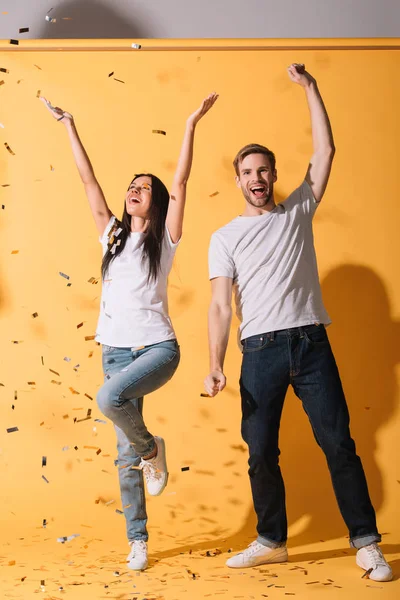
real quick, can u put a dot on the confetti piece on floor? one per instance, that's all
(64, 539)
(9, 149)
(367, 573)
(14, 42)
(64, 275)
(24, 30)
(214, 194)
(136, 46)
(12, 429)
(160, 131)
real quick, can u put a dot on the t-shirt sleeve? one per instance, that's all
(220, 262)
(302, 198)
(168, 240)
(103, 239)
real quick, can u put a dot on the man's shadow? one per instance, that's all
(364, 339)
(86, 19)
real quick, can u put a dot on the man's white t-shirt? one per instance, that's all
(134, 313)
(271, 260)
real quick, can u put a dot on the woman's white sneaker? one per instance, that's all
(155, 469)
(257, 554)
(371, 557)
(137, 557)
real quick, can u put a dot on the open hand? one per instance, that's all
(298, 74)
(203, 109)
(58, 113)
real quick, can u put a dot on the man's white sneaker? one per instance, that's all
(137, 557)
(155, 469)
(257, 554)
(371, 557)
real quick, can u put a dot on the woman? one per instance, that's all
(140, 350)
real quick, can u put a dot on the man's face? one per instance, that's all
(256, 179)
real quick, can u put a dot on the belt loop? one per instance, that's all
(271, 336)
(301, 332)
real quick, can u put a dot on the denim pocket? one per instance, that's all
(316, 335)
(107, 349)
(255, 343)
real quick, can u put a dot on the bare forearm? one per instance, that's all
(186, 155)
(320, 125)
(81, 158)
(219, 321)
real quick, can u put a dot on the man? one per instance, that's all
(267, 256)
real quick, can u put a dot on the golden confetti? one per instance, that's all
(9, 149)
(38, 94)
(2, 82)
(214, 194)
(88, 338)
(15, 252)
(56, 382)
(160, 131)
(37, 66)
(71, 389)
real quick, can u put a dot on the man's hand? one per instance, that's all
(214, 383)
(298, 74)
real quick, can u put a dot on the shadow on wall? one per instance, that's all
(89, 19)
(365, 343)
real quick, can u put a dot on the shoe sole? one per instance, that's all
(279, 558)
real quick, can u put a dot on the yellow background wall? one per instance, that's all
(46, 218)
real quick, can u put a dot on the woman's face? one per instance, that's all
(138, 197)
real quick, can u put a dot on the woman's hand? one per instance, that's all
(203, 109)
(58, 113)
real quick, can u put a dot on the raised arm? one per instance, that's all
(219, 322)
(97, 202)
(324, 149)
(176, 207)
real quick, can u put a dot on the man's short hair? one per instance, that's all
(253, 149)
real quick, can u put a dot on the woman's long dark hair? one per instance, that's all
(154, 235)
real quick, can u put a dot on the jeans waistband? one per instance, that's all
(291, 331)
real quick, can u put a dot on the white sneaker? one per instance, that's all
(155, 469)
(137, 557)
(371, 557)
(257, 554)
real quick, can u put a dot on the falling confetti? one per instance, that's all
(3, 70)
(64, 275)
(185, 468)
(136, 46)
(14, 42)
(12, 429)
(160, 131)
(9, 149)
(119, 80)
(214, 194)
(35, 315)
(24, 30)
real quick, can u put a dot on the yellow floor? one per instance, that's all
(90, 567)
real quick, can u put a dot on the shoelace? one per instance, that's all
(252, 548)
(375, 555)
(150, 470)
(138, 547)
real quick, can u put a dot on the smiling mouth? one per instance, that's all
(134, 201)
(259, 191)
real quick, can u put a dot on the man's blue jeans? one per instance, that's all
(301, 357)
(129, 375)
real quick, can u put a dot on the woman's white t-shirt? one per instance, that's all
(133, 312)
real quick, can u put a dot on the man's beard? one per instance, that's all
(259, 202)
